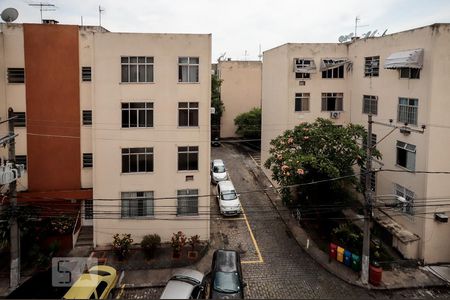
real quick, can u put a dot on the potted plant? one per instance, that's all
(149, 244)
(121, 245)
(193, 241)
(178, 242)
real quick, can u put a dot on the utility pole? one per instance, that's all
(14, 231)
(368, 205)
(100, 10)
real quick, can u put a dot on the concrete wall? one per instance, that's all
(240, 91)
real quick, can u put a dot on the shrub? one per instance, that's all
(122, 245)
(194, 240)
(149, 244)
(178, 241)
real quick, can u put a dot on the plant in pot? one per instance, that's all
(150, 243)
(178, 242)
(193, 241)
(121, 245)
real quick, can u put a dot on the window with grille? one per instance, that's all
(87, 117)
(187, 201)
(87, 160)
(16, 75)
(407, 110)
(188, 114)
(21, 160)
(337, 72)
(188, 68)
(406, 155)
(86, 74)
(300, 64)
(302, 102)
(20, 120)
(372, 66)
(137, 68)
(137, 114)
(137, 204)
(332, 101)
(137, 160)
(409, 73)
(188, 158)
(370, 104)
(407, 207)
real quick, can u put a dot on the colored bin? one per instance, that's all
(356, 262)
(375, 274)
(340, 254)
(347, 258)
(332, 251)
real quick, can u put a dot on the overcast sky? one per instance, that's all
(240, 26)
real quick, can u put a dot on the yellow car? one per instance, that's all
(97, 283)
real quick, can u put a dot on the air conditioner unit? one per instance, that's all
(335, 114)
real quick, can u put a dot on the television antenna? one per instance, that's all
(260, 56)
(9, 15)
(100, 11)
(357, 19)
(44, 7)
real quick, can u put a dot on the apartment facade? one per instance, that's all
(118, 121)
(240, 91)
(400, 79)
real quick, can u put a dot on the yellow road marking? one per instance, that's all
(121, 291)
(254, 242)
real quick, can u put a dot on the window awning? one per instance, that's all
(304, 65)
(405, 59)
(331, 63)
(404, 235)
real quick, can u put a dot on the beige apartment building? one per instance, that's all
(240, 91)
(399, 78)
(119, 123)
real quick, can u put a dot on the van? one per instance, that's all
(228, 199)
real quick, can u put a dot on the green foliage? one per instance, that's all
(178, 241)
(348, 236)
(121, 245)
(149, 243)
(60, 225)
(216, 102)
(26, 217)
(317, 151)
(249, 124)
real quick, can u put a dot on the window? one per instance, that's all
(16, 75)
(137, 204)
(188, 69)
(187, 202)
(336, 72)
(137, 68)
(20, 120)
(406, 155)
(87, 117)
(21, 160)
(137, 114)
(86, 74)
(299, 75)
(302, 67)
(332, 101)
(87, 160)
(372, 66)
(410, 73)
(407, 110)
(137, 160)
(370, 104)
(101, 288)
(401, 191)
(187, 114)
(302, 102)
(188, 158)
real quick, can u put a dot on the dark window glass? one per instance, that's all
(20, 120)
(21, 160)
(137, 160)
(87, 160)
(16, 75)
(187, 114)
(87, 117)
(137, 114)
(101, 288)
(137, 69)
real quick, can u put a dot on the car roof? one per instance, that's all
(179, 288)
(226, 185)
(85, 285)
(218, 162)
(226, 260)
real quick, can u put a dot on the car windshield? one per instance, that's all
(226, 282)
(187, 279)
(229, 195)
(219, 169)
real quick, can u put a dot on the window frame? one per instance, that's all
(147, 63)
(21, 120)
(409, 150)
(87, 117)
(190, 193)
(338, 96)
(370, 99)
(136, 152)
(304, 99)
(369, 69)
(410, 73)
(330, 73)
(22, 160)
(88, 160)
(188, 151)
(145, 200)
(188, 65)
(410, 109)
(408, 195)
(301, 62)
(188, 110)
(86, 74)
(15, 75)
(148, 108)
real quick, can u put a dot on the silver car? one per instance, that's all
(185, 284)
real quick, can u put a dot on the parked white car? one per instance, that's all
(218, 171)
(228, 199)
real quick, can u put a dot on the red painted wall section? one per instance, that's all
(53, 107)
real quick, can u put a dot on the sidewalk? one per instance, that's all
(400, 278)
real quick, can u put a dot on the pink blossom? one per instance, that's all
(300, 172)
(290, 140)
(306, 138)
(284, 168)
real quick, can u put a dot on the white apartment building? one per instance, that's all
(119, 121)
(399, 78)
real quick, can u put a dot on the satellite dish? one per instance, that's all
(342, 39)
(10, 15)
